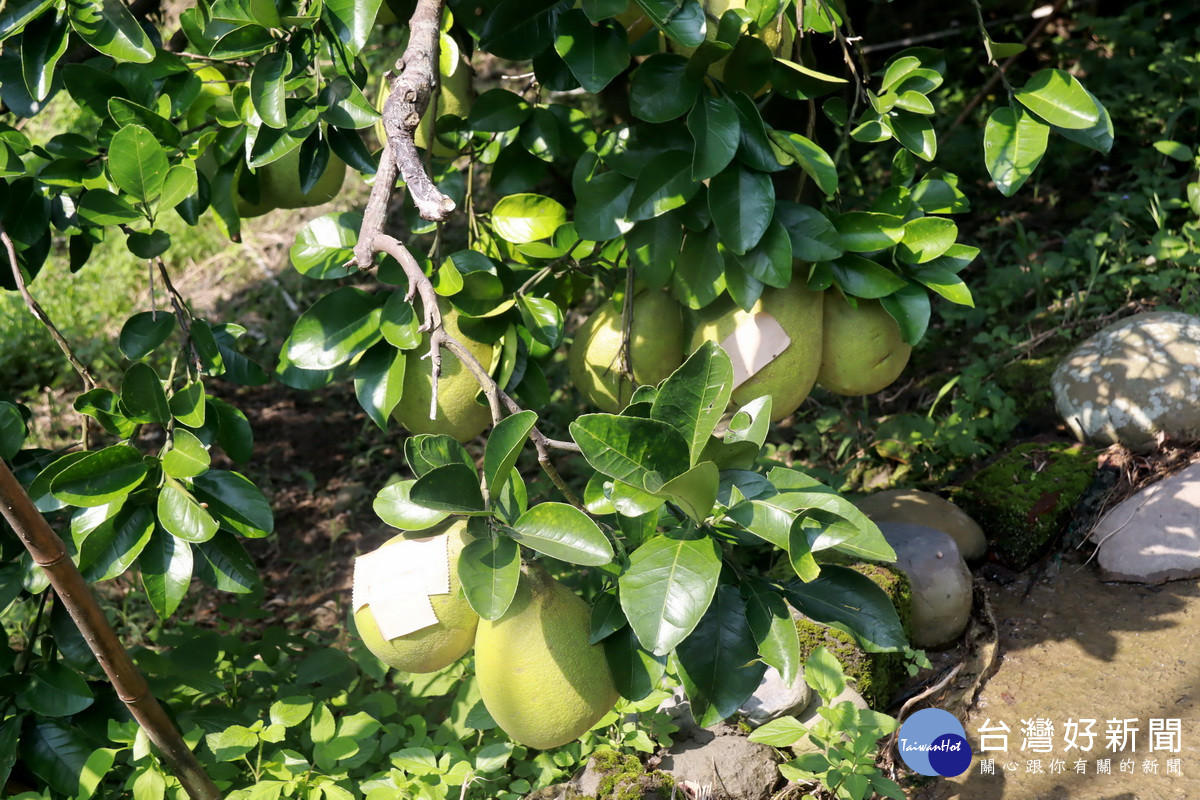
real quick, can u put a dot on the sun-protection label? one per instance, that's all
(397, 580)
(755, 342)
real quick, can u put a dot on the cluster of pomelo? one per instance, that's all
(540, 678)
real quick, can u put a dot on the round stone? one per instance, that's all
(923, 508)
(941, 582)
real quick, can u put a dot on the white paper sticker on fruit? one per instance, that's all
(396, 581)
(756, 342)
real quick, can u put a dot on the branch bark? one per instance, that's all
(49, 553)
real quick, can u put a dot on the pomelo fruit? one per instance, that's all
(778, 35)
(458, 414)
(540, 679)
(790, 376)
(437, 646)
(279, 185)
(862, 350)
(655, 349)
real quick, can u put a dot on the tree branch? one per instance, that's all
(73, 592)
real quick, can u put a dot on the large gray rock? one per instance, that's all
(1132, 381)
(922, 508)
(941, 582)
(775, 698)
(735, 767)
(1153, 536)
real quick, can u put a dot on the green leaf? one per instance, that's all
(345, 106)
(518, 29)
(394, 506)
(602, 205)
(664, 184)
(694, 397)
(504, 446)
(915, 133)
(324, 248)
(641, 452)
(1013, 145)
(1060, 99)
(851, 602)
(866, 231)
(823, 673)
(863, 277)
(489, 569)
(742, 203)
(814, 237)
(695, 491)
(607, 617)
(948, 285)
(379, 382)
(909, 306)
(235, 500)
(773, 628)
(425, 452)
(399, 324)
(497, 111)
(353, 21)
(12, 430)
(668, 587)
(267, 91)
(57, 752)
(108, 26)
(187, 404)
(112, 547)
(699, 276)
(564, 532)
(101, 477)
(56, 690)
(226, 564)
(636, 672)
(781, 732)
(187, 457)
(17, 14)
(137, 163)
(453, 488)
(1099, 136)
(714, 126)
(10, 735)
(926, 238)
(595, 55)
(338, 327)
(233, 430)
(102, 207)
(521, 218)
(800, 550)
(718, 661)
(936, 196)
(183, 517)
(142, 395)
(166, 567)
(148, 244)
(811, 158)
(145, 331)
(769, 261)
(683, 22)
(662, 88)
(291, 711)
(543, 318)
(42, 45)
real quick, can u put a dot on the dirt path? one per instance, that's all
(1076, 648)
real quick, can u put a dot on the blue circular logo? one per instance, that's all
(932, 742)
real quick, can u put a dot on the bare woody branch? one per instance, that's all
(49, 553)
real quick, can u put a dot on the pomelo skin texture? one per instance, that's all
(790, 377)
(863, 350)
(540, 679)
(458, 414)
(437, 646)
(279, 186)
(655, 349)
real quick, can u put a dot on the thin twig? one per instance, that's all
(182, 314)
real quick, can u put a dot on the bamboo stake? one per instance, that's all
(50, 554)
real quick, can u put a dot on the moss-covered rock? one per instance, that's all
(1024, 499)
(876, 676)
(624, 777)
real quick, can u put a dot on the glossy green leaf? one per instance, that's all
(714, 126)
(338, 327)
(915, 132)
(662, 88)
(187, 404)
(773, 629)
(142, 395)
(267, 91)
(426, 452)
(865, 231)
(57, 752)
(823, 672)
(394, 506)
(12, 430)
(1099, 136)
(17, 14)
(564, 532)
(233, 430)
(1013, 145)
(742, 203)
(636, 672)
(543, 318)
(453, 488)
(948, 285)
(851, 602)
(187, 457)
(145, 331)
(602, 206)
(114, 545)
(770, 261)
(641, 452)
(664, 184)
(1060, 99)
(815, 162)
(693, 398)
(504, 446)
(498, 110)
(595, 55)
(668, 587)
(166, 568)
(684, 22)
(814, 237)
(489, 569)
(236, 501)
(521, 218)
(226, 565)
(102, 207)
(863, 277)
(137, 163)
(111, 28)
(699, 276)
(101, 477)
(909, 306)
(42, 45)
(607, 617)
(56, 690)
(182, 516)
(518, 29)
(800, 550)
(324, 247)
(379, 382)
(718, 661)
(926, 238)
(353, 21)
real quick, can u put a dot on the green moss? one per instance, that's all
(1027, 382)
(876, 676)
(1024, 499)
(625, 778)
